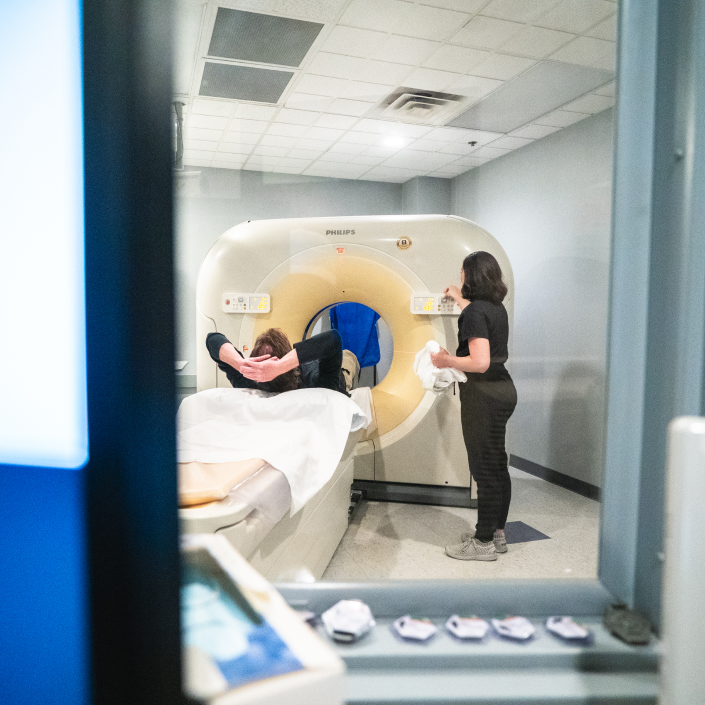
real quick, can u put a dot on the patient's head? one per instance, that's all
(275, 343)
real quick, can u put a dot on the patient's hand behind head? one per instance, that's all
(274, 342)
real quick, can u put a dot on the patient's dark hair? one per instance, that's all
(275, 343)
(483, 278)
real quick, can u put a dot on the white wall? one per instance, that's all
(208, 205)
(549, 206)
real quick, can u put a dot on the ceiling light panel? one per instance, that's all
(537, 91)
(266, 39)
(243, 82)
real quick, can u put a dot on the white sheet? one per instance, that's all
(433, 378)
(301, 433)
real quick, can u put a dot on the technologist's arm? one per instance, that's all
(453, 291)
(477, 361)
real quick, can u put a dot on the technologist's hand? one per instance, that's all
(453, 291)
(441, 359)
(261, 369)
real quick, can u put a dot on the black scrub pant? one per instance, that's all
(485, 408)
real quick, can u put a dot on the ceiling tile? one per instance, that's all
(198, 153)
(392, 143)
(534, 132)
(609, 60)
(467, 6)
(471, 161)
(381, 151)
(431, 79)
(370, 92)
(455, 58)
(255, 112)
(340, 122)
(312, 145)
(320, 85)
(365, 138)
(383, 72)
(338, 157)
(490, 152)
(560, 118)
(447, 134)
(241, 137)
(279, 169)
(306, 101)
(334, 65)
(294, 163)
(459, 148)
(576, 15)
(307, 154)
(366, 159)
(212, 107)
(192, 161)
(510, 142)
(590, 104)
(609, 89)
(380, 127)
(424, 145)
(317, 10)
(474, 87)
(385, 173)
(271, 151)
(441, 175)
(296, 117)
(337, 170)
(208, 121)
(518, 10)
(286, 130)
(323, 133)
(355, 108)
(262, 160)
(196, 133)
(584, 51)
(431, 22)
(605, 30)
(374, 14)
(405, 50)
(231, 158)
(200, 144)
(348, 148)
(485, 33)
(502, 67)
(253, 126)
(278, 141)
(536, 42)
(353, 41)
(236, 147)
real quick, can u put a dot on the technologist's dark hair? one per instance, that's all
(275, 343)
(483, 278)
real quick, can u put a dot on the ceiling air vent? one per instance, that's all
(424, 107)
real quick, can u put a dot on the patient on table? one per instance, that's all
(275, 366)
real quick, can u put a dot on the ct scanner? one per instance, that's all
(282, 274)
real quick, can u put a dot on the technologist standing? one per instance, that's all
(487, 400)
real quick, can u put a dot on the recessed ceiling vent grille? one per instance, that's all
(424, 107)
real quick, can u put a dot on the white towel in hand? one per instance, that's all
(433, 378)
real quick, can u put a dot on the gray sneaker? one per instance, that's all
(500, 545)
(473, 550)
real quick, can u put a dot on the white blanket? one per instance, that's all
(302, 433)
(433, 378)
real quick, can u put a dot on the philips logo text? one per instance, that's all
(340, 232)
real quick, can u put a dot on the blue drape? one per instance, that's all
(357, 325)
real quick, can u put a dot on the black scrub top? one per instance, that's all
(483, 319)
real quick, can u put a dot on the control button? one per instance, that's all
(240, 299)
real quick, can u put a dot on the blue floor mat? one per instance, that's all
(519, 532)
